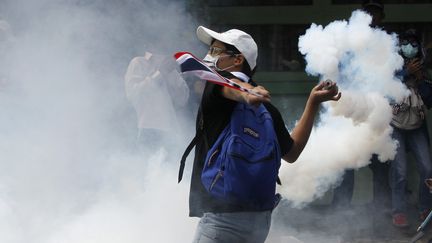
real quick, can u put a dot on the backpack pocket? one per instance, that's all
(239, 149)
(212, 175)
(251, 172)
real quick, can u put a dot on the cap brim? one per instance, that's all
(207, 35)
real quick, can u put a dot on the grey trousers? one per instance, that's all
(239, 227)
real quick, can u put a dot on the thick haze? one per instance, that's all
(362, 60)
(69, 167)
(70, 170)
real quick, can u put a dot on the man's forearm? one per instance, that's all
(302, 131)
(234, 94)
(262, 94)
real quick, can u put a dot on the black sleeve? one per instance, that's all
(284, 138)
(213, 92)
(213, 100)
(216, 111)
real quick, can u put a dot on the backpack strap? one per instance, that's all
(278, 180)
(186, 153)
(199, 134)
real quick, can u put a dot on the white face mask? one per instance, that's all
(409, 51)
(211, 61)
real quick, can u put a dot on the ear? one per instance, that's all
(239, 60)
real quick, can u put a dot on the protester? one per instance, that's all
(234, 53)
(374, 8)
(156, 90)
(409, 124)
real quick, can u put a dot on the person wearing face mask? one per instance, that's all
(234, 55)
(409, 129)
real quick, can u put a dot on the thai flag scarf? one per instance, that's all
(189, 64)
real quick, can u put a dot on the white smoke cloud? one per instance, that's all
(150, 209)
(69, 169)
(363, 61)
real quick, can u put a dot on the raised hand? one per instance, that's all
(325, 91)
(414, 67)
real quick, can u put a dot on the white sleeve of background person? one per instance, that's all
(362, 60)
(178, 88)
(149, 95)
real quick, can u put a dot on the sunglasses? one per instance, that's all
(406, 42)
(215, 51)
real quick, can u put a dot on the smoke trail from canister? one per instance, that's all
(362, 60)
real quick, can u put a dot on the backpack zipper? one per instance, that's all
(217, 177)
(265, 159)
(211, 157)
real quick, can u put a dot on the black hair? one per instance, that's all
(232, 50)
(410, 33)
(375, 3)
(369, 5)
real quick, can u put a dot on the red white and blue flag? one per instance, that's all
(189, 64)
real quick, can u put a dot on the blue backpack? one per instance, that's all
(242, 166)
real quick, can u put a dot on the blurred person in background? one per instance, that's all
(374, 8)
(409, 129)
(156, 90)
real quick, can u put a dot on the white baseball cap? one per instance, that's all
(241, 40)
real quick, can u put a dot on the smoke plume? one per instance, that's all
(363, 61)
